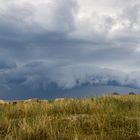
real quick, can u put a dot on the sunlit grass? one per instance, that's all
(99, 118)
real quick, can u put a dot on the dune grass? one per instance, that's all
(99, 118)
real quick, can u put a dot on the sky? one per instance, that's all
(69, 43)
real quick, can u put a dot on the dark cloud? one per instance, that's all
(7, 65)
(69, 43)
(64, 76)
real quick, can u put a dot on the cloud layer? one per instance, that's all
(69, 43)
(41, 74)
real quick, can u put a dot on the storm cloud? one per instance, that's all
(69, 42)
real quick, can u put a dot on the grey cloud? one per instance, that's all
(50, 43)
(65, 76)
(7, 65)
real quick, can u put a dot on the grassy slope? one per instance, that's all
(102, 118)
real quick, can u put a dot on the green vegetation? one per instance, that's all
(99, 118)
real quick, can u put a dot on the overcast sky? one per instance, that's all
(69, 42)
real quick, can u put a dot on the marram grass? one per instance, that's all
(100, 118)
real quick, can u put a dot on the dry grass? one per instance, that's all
(100, 118)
